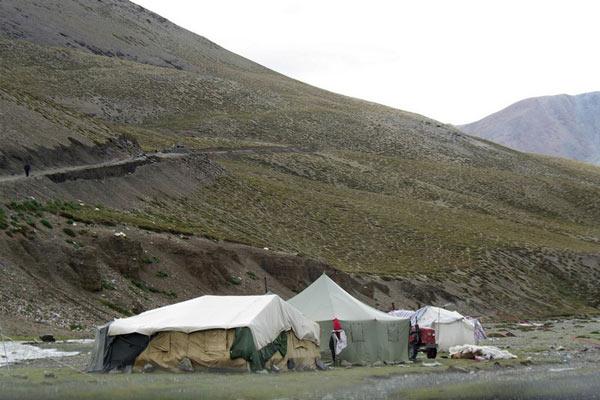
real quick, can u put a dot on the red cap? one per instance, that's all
(337, 325)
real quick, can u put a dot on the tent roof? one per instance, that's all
(266, 316)
(325, 300)
(430, 314)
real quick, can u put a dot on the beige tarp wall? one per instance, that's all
(210, 349)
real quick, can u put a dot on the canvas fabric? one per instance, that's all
(451, 327)
(266, 316)
(211, 349)
(325, 300)
(369, 341)
(372, 334)
(402, 313)
(304, 353)
(99, 350)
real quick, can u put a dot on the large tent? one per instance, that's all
(451, 327)
(372, 335)
(224, 332)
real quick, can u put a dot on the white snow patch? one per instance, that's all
(79, 341)
(18, 351)
(561, 369)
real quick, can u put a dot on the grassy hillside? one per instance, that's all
(369, 189)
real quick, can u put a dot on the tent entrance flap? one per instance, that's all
(124, 349)
(243, 347)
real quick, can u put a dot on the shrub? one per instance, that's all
(116, 307)
(73, 243)
(251, 275)
(150, 260)
(107, 285)
(234, 280)
(76, 327)
(141, 285)
(69, 232)
(27, 206)
(3, 221)
(162, 274)
(46, 223)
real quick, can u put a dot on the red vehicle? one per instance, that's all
(422, 339)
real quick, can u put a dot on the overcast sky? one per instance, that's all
(455, 61)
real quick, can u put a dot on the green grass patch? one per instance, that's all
(3, 220)
(76, 327)
(151, 289)
(116, 307)
(69, 232)
(27, 206)
(252, 275)
(234, 280)
(150, 260)
(108, 285)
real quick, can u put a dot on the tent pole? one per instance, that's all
(4, 346)
(266, 287)
(439, 327)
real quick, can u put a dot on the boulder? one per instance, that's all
(185, 365)
(320, 365)
(47, 338)
(148, 368)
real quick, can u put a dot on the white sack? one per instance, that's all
(486, 352)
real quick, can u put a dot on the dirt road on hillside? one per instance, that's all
(145, 158)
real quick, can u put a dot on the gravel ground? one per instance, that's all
(556, 360)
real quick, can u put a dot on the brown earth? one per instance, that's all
(56, 283)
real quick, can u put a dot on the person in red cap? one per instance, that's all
(338, 340)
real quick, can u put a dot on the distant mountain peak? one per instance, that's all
(561, 125)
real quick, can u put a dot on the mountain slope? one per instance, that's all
(413, 209)
(563, 125)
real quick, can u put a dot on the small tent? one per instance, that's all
(218, 332)
(372, 335)
(451, 327)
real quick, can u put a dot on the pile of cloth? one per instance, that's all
(479, 353)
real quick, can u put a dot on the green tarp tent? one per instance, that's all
(372, 335)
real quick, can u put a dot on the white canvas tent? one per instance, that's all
(266, 316)
(372, 334)
(211, 331)
(451, 327)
